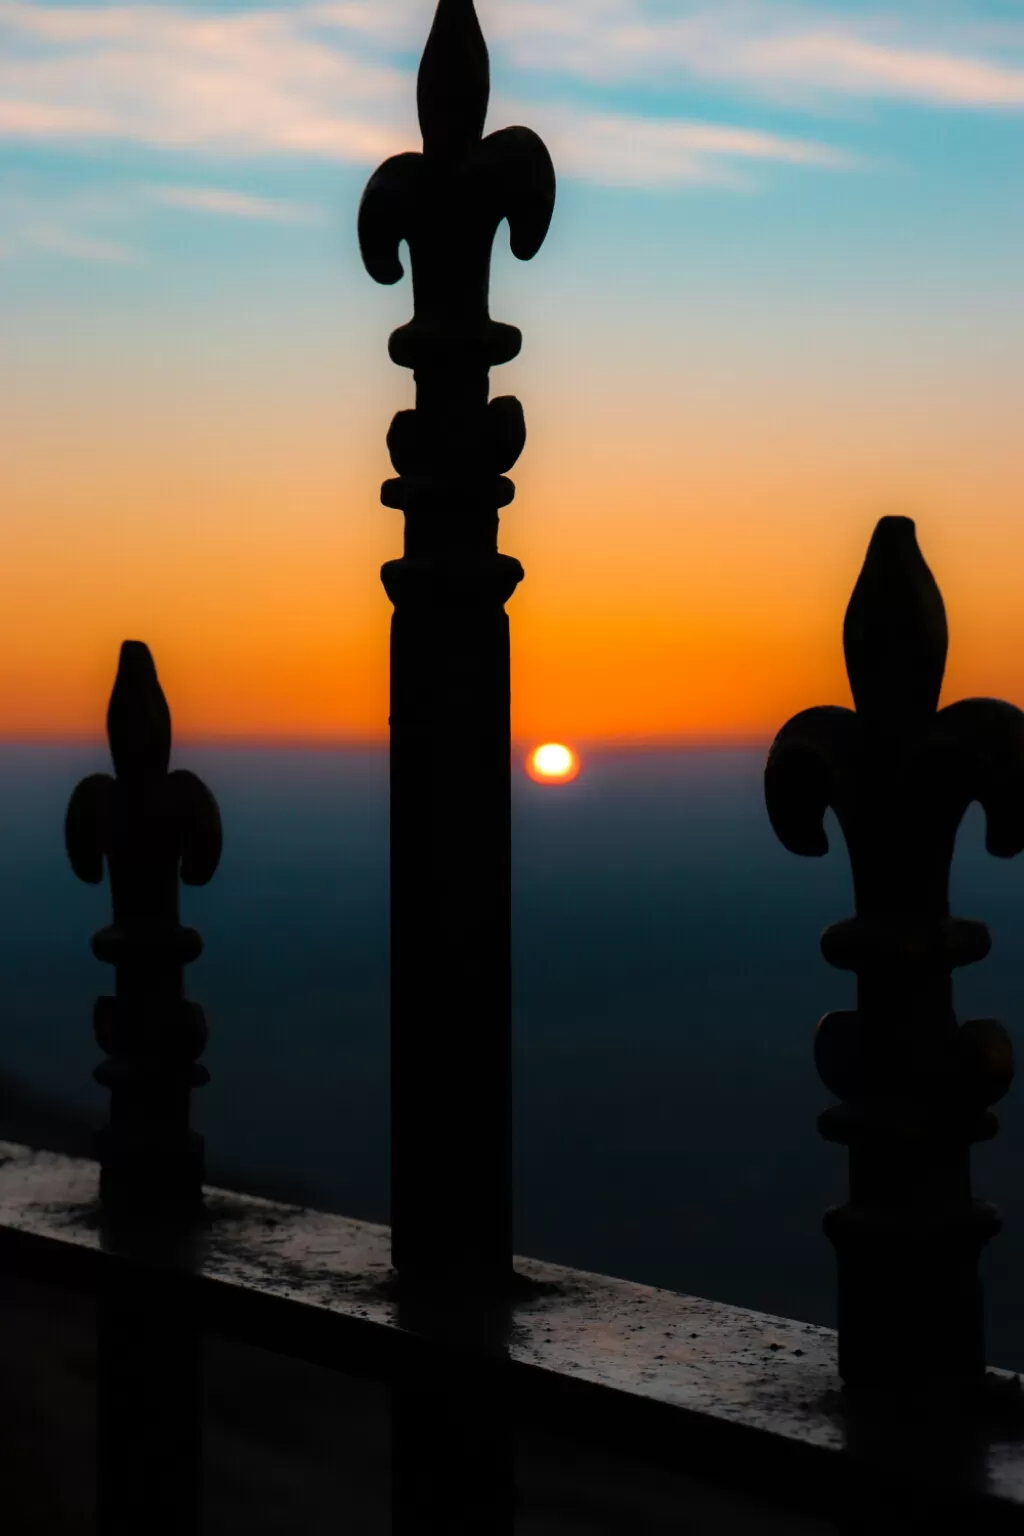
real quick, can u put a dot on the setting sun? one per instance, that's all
(553, 763)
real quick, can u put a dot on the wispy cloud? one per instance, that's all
(330, 80)
(839, 62)
(111, 227)
(812, 48)
(58, 241)
(904, 49)
(39, 119)
(620, 150)
(242, 82)
(75, 227)
(394, 24)
(258, 82)
(235, 205)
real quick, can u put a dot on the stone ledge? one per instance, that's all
(744, 1398)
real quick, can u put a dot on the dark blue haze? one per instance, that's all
(667, 984)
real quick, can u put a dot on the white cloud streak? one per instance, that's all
(111, 228)
(835, 62)
(75, 227)
(328, 80)
(223, 202)
(898, 50)
(804, 48)
(268, 82)
(615, 149)
(238, 83)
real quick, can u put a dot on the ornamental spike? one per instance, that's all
(151, 828)
(452, 453)
(916, 1086)
(451, 1205)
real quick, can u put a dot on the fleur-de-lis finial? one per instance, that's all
(150, 827)
(453, 451)
(450, 657)
(916, 1087)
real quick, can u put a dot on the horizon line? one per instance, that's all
(721, 742)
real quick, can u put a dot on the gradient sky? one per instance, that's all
(783, 295)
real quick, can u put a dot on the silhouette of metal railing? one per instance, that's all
(898, 1415)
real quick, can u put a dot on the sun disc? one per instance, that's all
(553, 763)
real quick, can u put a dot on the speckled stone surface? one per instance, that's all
(721, 1385)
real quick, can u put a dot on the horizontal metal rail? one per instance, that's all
(746, 1400)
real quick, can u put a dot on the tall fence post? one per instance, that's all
(916, 1087)
(151, 827)
(450, 738)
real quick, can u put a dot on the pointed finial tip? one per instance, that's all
(138, 719)
(894, 543)
(136, 657)
(895, 526)
(454, 85)
(895, 634)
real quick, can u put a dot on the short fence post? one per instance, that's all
(151, 827)
(916, 1087)
(450, 831)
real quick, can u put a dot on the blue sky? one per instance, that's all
(782, 294)
(113, 116)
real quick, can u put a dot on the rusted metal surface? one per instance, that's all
(734, 1390)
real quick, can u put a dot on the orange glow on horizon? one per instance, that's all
(676, 592)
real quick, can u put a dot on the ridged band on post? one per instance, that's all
(151, 827)
(916, 1088)
(450, 827)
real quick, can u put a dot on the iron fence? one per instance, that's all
(897, 1417)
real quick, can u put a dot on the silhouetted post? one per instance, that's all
(453, 1432)
(450, 741)
(151, 827)
(916, 1087)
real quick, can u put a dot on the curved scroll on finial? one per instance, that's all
(802, 776)
(980, 743)
(87, 827)
(895, 635)
(515, 168)
(384, 214)
(510, 176)
(454, 85)
(201, 835)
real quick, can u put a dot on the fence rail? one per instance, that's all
(899, 1411)
(749, 1401)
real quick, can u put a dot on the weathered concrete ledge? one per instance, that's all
(744, 1399)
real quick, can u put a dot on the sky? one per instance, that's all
(783, 295)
